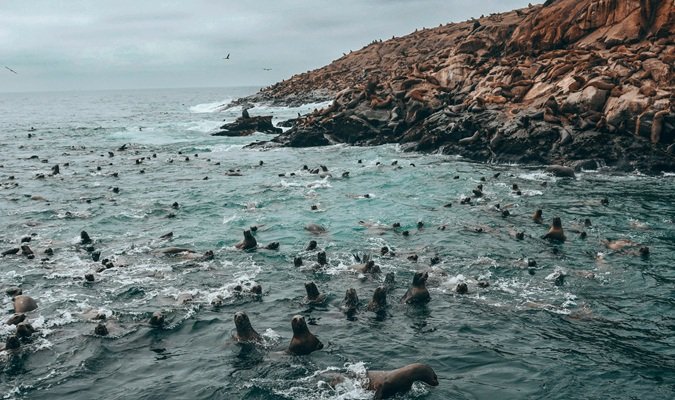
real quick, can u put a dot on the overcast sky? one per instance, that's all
(122, 44)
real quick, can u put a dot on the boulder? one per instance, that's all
(244, 126)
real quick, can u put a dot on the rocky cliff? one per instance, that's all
(579, 82)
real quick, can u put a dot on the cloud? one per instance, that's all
(95, 44)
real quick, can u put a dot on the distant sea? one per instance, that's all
(585, 319)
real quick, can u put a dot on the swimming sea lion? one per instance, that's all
(311, 245)
(248, 243)
(245, 332)
(101, 329)
(174, 250)
(12, 343)
(297, 261)
(315, 228)
(16, 319)
(537, 217)
(462, 288)
(390, 281)
(418, 293)
(387, 384)
(157, 319)
(313, 295)
(84, 238)
(321, 258)
(378, 303)
(24, 304)
(350, 303)
(303, 341)
(556, 231)
(24, 330)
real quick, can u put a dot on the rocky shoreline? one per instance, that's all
(580, 83)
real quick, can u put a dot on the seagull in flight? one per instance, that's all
(228, 57)
(267, 69)
(11, 70)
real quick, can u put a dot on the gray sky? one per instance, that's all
(121, 44)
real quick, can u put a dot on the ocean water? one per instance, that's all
(587, 322)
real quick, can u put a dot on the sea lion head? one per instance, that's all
(312, 290)
(420, 278)
(256, 289)
(299, 325)
(242, 323)
(425, 373)
(248, 236)
(537, 214)
(557, 223)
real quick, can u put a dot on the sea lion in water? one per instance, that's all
(245, 332)
(537, 217)
(387, 384)
(24, 304)
(418, 293)
(16, 319)
(379, 301)
(248, 243)
(303, 341)
(313, 294)
(315, 228)
(311, 245)
(350, 303)
(174, 250)
(157, 319)
(556, 231)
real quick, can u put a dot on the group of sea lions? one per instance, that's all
(386, 384)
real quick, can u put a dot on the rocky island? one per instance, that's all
(582, 83)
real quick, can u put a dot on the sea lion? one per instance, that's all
(311, 246)
(537, 217)
(387, 384)
(321, 258)
(390, 281)
(556, 231)
(12, 343)
(157, 319)
(378, 303)
(303, 341)
(418, 293)
(248, 243)
(24, 330)
(315, 228)
(245, 332)
(297, 262)
(313, 294)
(16, 319)
(24, 304)
(367, 265)
(462, 288)
(350, 303)
(174, 250)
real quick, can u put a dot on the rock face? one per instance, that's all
(569, 82)
(246, 125)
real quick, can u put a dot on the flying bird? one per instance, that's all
(228, 57)
(267, 69)
(11, 70)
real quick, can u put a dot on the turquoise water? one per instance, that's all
(604, 331)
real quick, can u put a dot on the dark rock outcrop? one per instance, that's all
(570, 82)
(246, 125)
